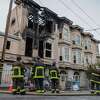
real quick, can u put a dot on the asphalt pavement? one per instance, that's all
(32, 97)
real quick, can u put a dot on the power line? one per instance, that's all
(93, 29)
(74, 2)
(41, 2)
(84, 21)
(66, 6)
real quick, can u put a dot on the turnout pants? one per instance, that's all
(54, 83)
(39, 83)
(18, 85)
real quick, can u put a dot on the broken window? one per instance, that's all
(13, 21)
(60, 58)
(48, 50)
(41, 49)
(41, 29)
(28, 49)
(49, 26)
(30, 21)
(8, 45)
(60, 35)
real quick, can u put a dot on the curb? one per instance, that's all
(51, 94)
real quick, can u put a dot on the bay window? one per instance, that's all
(77, 56)
(77, 40)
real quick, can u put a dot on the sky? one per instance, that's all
(68, 8)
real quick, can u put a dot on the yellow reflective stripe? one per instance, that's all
(38, 91)
(40, 67)
(95, 74)
(15, 67)
(19, 72)
(54, 78)
(14, 90)
(53, 71)
(38, 76)
(97, 90)
(17, 76)
(23, 90)
(95, 81)
(55, 75)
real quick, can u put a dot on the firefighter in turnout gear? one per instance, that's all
(54, 76)
(39, 75)
(18, 77)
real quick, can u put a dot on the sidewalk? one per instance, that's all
(62, 93)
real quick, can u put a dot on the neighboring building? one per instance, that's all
(59, 40)
(64, 48)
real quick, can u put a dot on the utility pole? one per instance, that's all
(6, 30)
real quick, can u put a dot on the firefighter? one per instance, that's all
(18, 77)
(54, 76)
(33, 74)
(39, 75)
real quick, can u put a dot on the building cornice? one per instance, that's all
(10, 36)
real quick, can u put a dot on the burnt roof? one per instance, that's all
(32, 3)
(50, 12)
(76, 27)
(66, 20)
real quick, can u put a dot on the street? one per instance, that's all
(31, 97)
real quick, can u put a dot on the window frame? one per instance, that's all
(77, 54)
(77, 39)
(66, 33)
(76, 77)
(66, 53)
(48, 50)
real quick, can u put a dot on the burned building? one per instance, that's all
(37, 26)
(38, 31)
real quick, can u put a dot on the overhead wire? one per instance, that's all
(77, 5)
(41, 2)
(84, 21)
(67, 7)
(93, 29)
